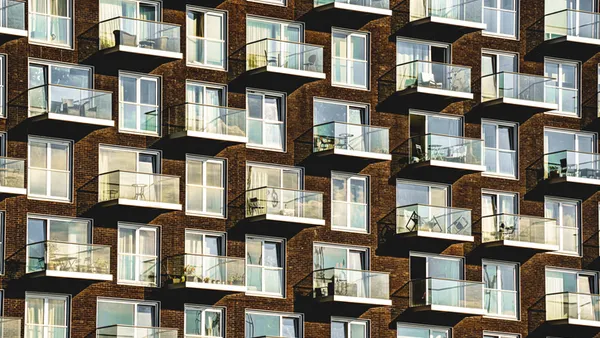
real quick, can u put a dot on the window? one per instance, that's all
(349, 328)
(49, 169)
(501, 289)
(564, 88)
(349, 202)
(501, 18)
(204, 322)
(272, 2)
(412, 192)
(2, 248)
(556, 140)
(265, 273)
(258, 29)
(406, 330)
(421, 123)
(270, 324)
(412, 50)
(139, 103)
(46, 316)
(205, 93)
(202, 250)
(138, 254)
(206, 37)
(424, 265)
(266, 120)
(500, 335)
(112, 312)
(500, 155)
(494, 203)
(205, 186)
(2, 85)
(494, 63)
(560, 305)
(50, 22)
(566, 213)
(326, 111)
(327, 256)
(350, 58)
(128, 159)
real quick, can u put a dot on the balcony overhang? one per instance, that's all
(355, 300)
(512, 109)
(208, 286)
(273, 218)
(338, 14)
(363, 155)
(276, 78)
(232, 139)
(439, 171)
(9, 34)
(112, 59)
(574, 181)
(574, 323)
(571, 47)
(437, 235)
(123, 202)
(72, 121)
(516, 245)
(445, 309)
(13, 191)
(440, 29)
(424, 98)
(72, 275)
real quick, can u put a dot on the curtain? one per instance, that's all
(587, 306)
(418, 9)
(109, 9)
(126, 254)
(407, 52)
(489, 226)
(358, 278)
(274, 129)
(556, 303)
(215, 117)
(256, 53)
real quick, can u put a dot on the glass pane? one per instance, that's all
(193, 322)
(129, 89)
(112, 313)
(254, 252)
(37, 155)
(272, 254)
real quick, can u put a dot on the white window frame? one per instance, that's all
(353, 321)
(561, 201)
(282, 3)
(283, 98)
(281, 315)
(138, 78)
(2, 252)
(347, 248)
(3, 68)
(48, 41)
(560, 88)
(204, 309)
(499, 12)
(69, 171)
(263, 267)
(281, 168)
(137, 151)
(424, 327)
(497, 150)
(498, 193)
(429, 185)
(204, 40)
(137, 255)
(576, 134)
(499, 291)
(46, 297)
(349, 34)
(282, 24)
(487, 334)
(205, 160)
(348, 203)
(205, 86)
(347, 104)
(156, 306)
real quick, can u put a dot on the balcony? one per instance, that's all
(66, 107)
(447, 296)
(279, 65)
(506, 231)
(571, 34)
(343, 141)
(216, 125)
(424, 84)
(283, 206)
(345, 13)
(352, 286)
(126, 331)
(444, 20)
(12, 176)
(69, 260)
(434, 222)
(142, 190)
(191, 271)
(10, 327)
(12, 20)
(516, 96)
(572, 167)
(573, 310)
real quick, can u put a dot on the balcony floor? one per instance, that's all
(422, 97)
(444, 309)
(13, 191)
(9, 34)
(337, 14)
(123, 202)
(285, 219)
(570, 47)
(438, 171)
(511, 109)
(72, 275)
(457, 238)
(275, 78)
(208, 286)
(515, 245)
(356, 300)
(111, 60)
(440, 29)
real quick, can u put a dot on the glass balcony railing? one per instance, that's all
(12, 15)
(218, 270)
(68, 257)
(461, 10)
(351, 137)
(284, 202)
(209, 119)
(126, 331)
(519, 228)
(12, 173)
(38, 330)
(351, 283)
(433, 75)
(284, 54)
(71, 101)
(379, 4)
(572, 23)
(446, 292)
(430, 218)
(151, 35)
(570, 305)
(10, 327)
(519, 87)
(444, 148)
(206, 52)
(566, 164)
(143, 187)
(50, 29)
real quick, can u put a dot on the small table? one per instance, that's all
(344, 144)
(66, 262)
(139, 191)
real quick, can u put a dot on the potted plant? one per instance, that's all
(206, 279)
(188, 271)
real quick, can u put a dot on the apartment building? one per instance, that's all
(299, 168)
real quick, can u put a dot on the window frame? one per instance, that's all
(499, 11)
(157, 79)
(497, 193)
(424, 327)
(70, 164)
(263, 239)
(429, 185)
(366, 36)
(350, 321)
(280, 167)
(283, 99)
(205, 160)
(281, 22)
(560, 88)
(135, 302)
(204, 309)
(47, 42)
(3, 86)
(204, 233)
(138, 227)
(45, 298)
(517, 282)
(347, 248)
(561, 201)
(224, 33)
(3, 253)
(347, 202)
(137, 151)
(281, 315)
(489, 334)
(347, 104)
(498, 151)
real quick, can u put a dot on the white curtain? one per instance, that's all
(555, 308)
(418, 9)
(109, 9)
(356, 261)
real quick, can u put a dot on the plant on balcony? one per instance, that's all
(188, 271)
(101, 266)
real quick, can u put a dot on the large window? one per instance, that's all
(421, 123)
(496, 202)
(258, 29)
(326, 256)
(412, 192)
(50, 22)
(556, 140)
(3, 85)
(272, 324)
(500, 148)
(128, 159)
(266, 120)
(2, 246)
(350, 58)
(265, 266)
(349, 202)
(46, 315)
(349, 328)
(205, 186)
(273, 176)
(501, 17)
(49, 169)
(406, 330)
(566, 213)
(126, 312)
(206, 37)
(413, 50)
(581, 306)
(501, 289)
(139, 103)
(500, 335)
(138, 254)
(325, 111)
(204, 321)
(565, 85)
